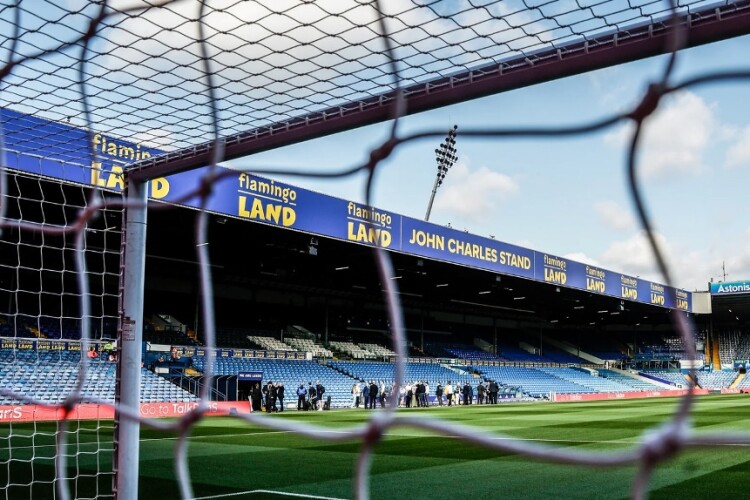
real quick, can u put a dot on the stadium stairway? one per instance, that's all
(715, 358)
(737, 381)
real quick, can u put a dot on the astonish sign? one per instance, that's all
(731, 288)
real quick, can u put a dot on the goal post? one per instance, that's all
(130, 337)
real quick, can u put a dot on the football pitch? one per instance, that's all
(233, 459)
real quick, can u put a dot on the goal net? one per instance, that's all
(103, 98)
(59, 286)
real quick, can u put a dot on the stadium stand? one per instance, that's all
(733, 344)
(635, 384)
(586, 379)
(351, 349)
(271, 343)
(716, 379)
(533, 382)
(291, 373)
(50, 376)
(308, 345)
(676, 378)
(377, 349)
(459, 351)
(432, 373)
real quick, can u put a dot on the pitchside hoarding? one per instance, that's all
(62, 152)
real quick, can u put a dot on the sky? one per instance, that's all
(566, 197)
(569, 196)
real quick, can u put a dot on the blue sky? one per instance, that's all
(568, 196)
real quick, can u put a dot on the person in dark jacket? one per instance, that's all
(271, 398)
(301, 393)
(319, 391)
(256, 397)
(280, 395)
(265, 394)
(481, 390)
(312, 395)
(439, 394)
(493, 392)
(373, 394)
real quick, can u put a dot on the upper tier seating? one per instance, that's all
(352, 350)
(308, 345)
(271, 343)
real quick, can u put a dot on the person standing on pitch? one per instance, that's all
(373, 394)
(256, 397)
(355, 395)
(301, 393)
(449, 393)
(319, 391)
(280, 395)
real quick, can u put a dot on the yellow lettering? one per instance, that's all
(159, 188)
(242, 211)
(595, 285)
(364, 234)
(555, 276)
(96, 172)
(256, 211)
(115, 178)
(269, 212)
(657, 299)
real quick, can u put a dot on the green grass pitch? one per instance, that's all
(231, 459)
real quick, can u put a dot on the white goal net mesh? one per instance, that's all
(199, 82)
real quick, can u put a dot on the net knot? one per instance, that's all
(649, 103)
(384, 151)
(374, 432)
(664, 442)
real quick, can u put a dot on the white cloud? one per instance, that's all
(473, 195)
(635, 256)
(582, 258)
(691, 270)
(739, 153)
(613, 215)
(675, 138)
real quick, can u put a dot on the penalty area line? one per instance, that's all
(269, 492)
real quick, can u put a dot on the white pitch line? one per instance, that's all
(270, 492)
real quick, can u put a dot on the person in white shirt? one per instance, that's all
(449, 393)
(355, 396)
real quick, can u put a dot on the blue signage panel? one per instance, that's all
(257, 199)
(449, 245)
(730, 288)
(57, 150)
(250, 376)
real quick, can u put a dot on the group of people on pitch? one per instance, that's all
(311, 398)
(267, 397)
(416, 395)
